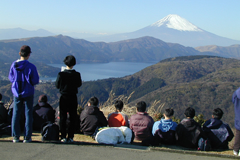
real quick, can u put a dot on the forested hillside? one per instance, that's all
(201, 82)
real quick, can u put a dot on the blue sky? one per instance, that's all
(221, 17)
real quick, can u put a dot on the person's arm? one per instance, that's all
(57, 82)
(79, 81)
(34, 76)
(231, 135)
(11, 74)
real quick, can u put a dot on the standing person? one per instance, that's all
(236, 102)
(23, 76)
(118, 119)
(92, 118)
(68, 81)
(141, 123)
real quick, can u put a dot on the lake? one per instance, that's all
(96, 71)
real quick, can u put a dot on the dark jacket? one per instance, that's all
(23, 76)
(92, 118)
(68, 81)
(188, 132)
(3, 113)
(218, 133)
(42, 113)
(141, 124)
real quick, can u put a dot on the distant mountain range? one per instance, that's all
(172, 29)
(53, 49)
(17, 33)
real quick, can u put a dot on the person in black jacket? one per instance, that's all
(92, 118)
(42, 112)
(68, 81)
(217, 132)
(188, 131)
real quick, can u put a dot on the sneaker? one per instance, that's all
(27, 140)
(236, 153)
(15, 139)
(70, 140)
(64, 140)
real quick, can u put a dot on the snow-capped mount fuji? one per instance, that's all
(173, 29)
(176, 22)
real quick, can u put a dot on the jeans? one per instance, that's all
(68, 103)
(21, 104)
(236, 146)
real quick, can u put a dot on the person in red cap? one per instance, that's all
(23, 76)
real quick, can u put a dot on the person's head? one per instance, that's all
(217, 113)
(43, 98)
(189, 112)
(141, 106)
(93, 101)
(168, 112)
(119, 105)
(69, 61)
(25, 51)
(0, 96)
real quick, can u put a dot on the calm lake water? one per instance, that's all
(96, 71)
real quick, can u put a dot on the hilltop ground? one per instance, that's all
(82, 138)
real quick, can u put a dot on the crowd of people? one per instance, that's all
(140, 126)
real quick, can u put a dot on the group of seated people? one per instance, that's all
(141, 127)
(186, 134)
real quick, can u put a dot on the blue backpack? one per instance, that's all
(204, 145)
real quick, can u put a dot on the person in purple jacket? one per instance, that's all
(23, 76)
(236, 102)
(141, 123)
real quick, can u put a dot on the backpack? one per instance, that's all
(5, 129)
(50, 131)
(204, 145)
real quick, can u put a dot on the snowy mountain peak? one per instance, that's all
(176, 22)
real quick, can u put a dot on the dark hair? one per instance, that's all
(69, 60)
(141, 106)
(217, 113)
(190, 112)
(119, 105)
(169, 112)
(93, 101)
(0, 96)
(25, 51)
(43, 98)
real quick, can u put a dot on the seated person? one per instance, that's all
(164, 130)
(118, 119)
(216, 131)
(188, 131)
(92, 118)
(3, 111)
(42, 113)
(141, 123)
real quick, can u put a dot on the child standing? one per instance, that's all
(23, 76)
(68, 81)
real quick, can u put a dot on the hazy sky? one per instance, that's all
(221, 17)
